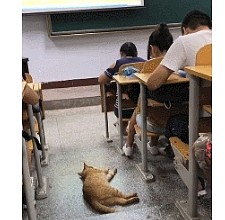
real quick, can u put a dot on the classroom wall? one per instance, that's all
(76, 57)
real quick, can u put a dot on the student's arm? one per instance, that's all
(106, 76)
(158, 77)
(103, 79)
(174, 60)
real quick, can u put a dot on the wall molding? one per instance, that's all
(69, 83)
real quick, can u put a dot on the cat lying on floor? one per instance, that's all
(98, 192)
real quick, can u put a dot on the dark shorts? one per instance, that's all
(126, 113)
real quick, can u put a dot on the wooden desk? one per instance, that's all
(174, 78)
(196, 74)
(203, 72)
(122, 80)
(143, 78)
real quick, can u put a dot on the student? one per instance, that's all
(196, 27)
(197, 33)
(159, 42)
(129, 54)
(196, 30)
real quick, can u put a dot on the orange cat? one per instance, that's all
(99, 194)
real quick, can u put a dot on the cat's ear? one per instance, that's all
(85, 165)
(81, 174)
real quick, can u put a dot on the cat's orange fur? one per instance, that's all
(98, 192)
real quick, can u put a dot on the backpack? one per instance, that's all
(177, 126)
(133, 90)
(170, 93)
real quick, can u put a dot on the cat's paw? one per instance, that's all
(112, 171)
(135, 195)
(136, 200)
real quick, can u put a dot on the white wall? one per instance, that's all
(76, 57)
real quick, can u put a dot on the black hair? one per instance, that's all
(160, 37)
(182, 29)
(129, 49)
(196, 18)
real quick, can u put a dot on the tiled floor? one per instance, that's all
(76, 135)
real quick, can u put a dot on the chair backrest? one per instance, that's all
(204, 55)
(28, 78)
(150, 65)
(138, 65)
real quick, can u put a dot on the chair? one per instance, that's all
(157, 109)
(39, 114)
(148, 67)
(204, 55)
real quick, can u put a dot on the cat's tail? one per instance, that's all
(101, 208)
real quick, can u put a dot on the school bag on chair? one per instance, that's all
(170, 94)
(177, 126)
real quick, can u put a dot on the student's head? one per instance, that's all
(128, 49)
(182, 28)
(193, 20)
(159, 41)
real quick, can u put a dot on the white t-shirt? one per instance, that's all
(183, 51)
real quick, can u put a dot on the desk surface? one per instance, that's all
(204, 72)
(173, 78)
(125, 80)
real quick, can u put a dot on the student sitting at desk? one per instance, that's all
(196, 29)
(159, 42)
(197, 33)
(129, 54)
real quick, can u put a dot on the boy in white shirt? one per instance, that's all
(197, 33)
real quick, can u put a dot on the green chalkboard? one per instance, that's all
(154, 12)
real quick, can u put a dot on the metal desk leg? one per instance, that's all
(106, 115)
(43, 185)
(120, 118)
(44, 138)
(143, 167)
(45, 158)
(31, 211)
(189, 209)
